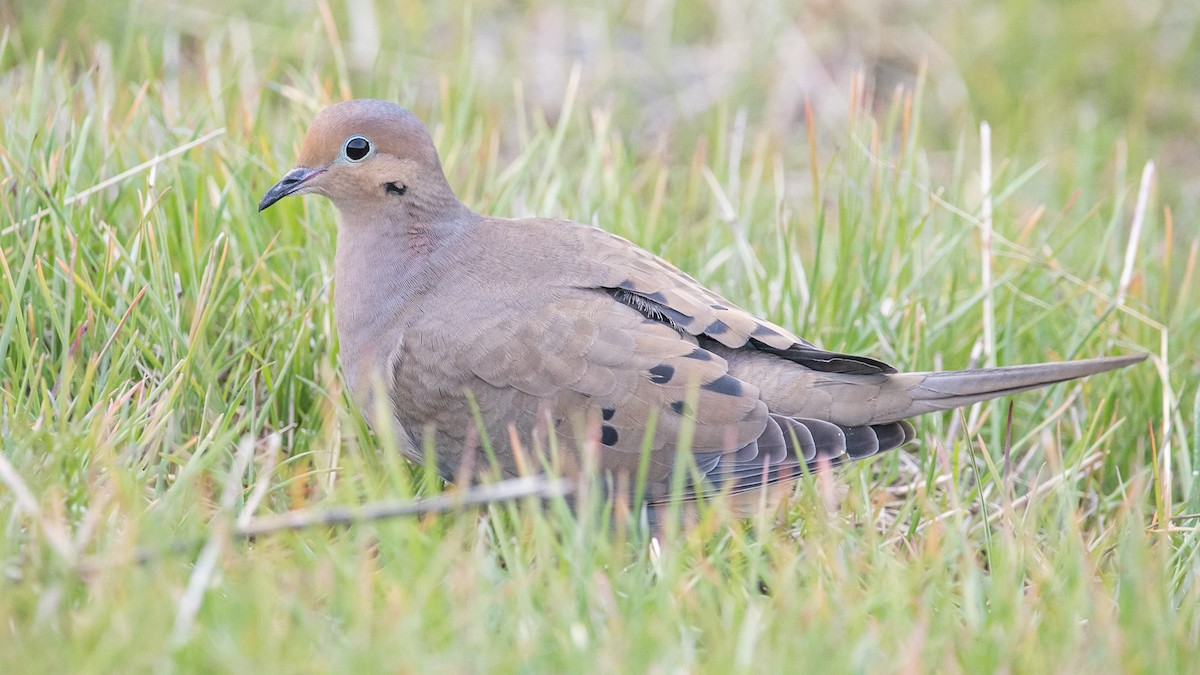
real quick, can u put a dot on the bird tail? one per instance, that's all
(957, 388)
(934, 391)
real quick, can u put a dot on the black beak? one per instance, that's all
(289, 184)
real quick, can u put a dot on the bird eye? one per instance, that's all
(357, 148)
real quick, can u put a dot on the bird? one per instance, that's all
(548, 345)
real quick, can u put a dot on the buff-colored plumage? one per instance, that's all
(556, 329)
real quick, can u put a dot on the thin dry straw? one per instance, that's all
(1135, 231)
(1168, 397)
(109, 182)
(985, 186)
(25, 501)
(508, 490)
(206, 562)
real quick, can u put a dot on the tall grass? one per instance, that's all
(165, 349)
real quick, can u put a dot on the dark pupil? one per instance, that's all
(357, 148)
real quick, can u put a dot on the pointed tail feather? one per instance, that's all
(931, 392)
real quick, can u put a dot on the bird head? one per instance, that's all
(366, 155)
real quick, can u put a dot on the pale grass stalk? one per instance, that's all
(206, 562)
(503, 491)
(549, 170)
(1162, 364)
(364, 33)
(329, 23)
(987, 347)
(55, 536)
(729, 214)
(904, 490)
(263, 484)
(1086, 465)
(985, 186)
(1135, 231)
(109, 182)
(1163, 361)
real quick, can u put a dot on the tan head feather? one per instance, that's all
(371, 156)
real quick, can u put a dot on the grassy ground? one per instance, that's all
(163, 344)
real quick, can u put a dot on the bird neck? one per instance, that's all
(382, 268)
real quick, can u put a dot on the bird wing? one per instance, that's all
(563, 326)
(659, 290)
(585, 359)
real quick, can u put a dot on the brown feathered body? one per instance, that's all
(548, 333)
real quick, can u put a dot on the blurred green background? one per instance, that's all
(1049, 76)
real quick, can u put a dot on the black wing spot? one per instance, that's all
(725, 384)
(607, 413)
(662, 373)
(609, 435)
(699, 354)
(716, 328)
(677, 406)
(764, 331)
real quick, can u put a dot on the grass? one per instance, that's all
(163, 344)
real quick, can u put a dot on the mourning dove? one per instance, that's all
(547, 332)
